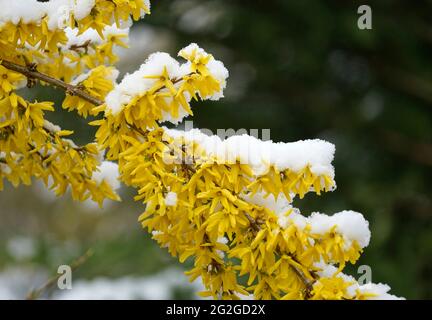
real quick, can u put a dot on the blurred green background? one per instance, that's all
(300, 68)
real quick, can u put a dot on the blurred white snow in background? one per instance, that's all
(15, 283)
(159, 286)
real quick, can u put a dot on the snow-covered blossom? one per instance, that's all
(377, 291)
(33, 11)
(261, 155)
(108, 172)
(161, 66)
(352, 289)
(171, 199)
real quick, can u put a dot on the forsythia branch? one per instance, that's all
(31, 73)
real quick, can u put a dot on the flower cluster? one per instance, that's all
(227, 205)
(70, 41)
(98, 82)
(161, 90)
(33, 147)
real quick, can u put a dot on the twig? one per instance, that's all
(308, 284)
(76, 47)
(134, 127)
(31, 73)
(253, 223)
(36, 293)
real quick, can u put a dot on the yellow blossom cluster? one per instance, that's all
(79, 43)
(233, 219)
(212, 218)
(71, 46)
(32, 147)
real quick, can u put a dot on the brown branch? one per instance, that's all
(308, 284)
(252, 222)
(31, 73)
(76, 47)
(134, 127)
(36, 293)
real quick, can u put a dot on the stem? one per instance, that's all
(308, 285)
(36, 293)
(253, 223)
(134, 127)
(31, 73)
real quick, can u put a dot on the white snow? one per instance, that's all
(21, 247)
(171, 199)
(51, 126)
(15, 281)
(260, 155)
(352, 225)
(296, 218)
(223, 240)
(159, 286)
(57, 11)
(108, 172)
(381, 290)
(278, 205)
